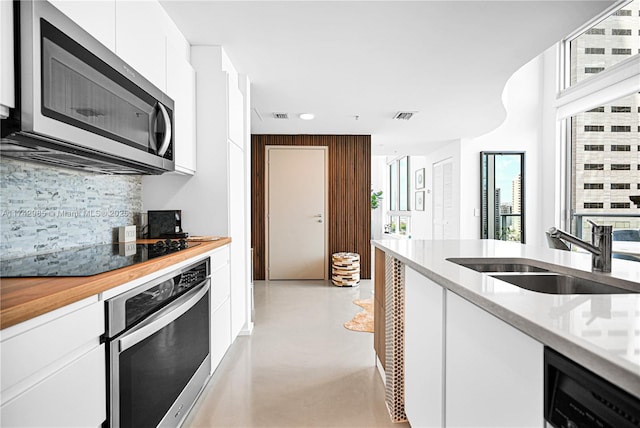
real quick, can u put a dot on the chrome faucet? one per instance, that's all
(600, 247)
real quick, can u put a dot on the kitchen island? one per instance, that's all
(466, 323)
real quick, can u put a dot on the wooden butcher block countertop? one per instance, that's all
(24, 298)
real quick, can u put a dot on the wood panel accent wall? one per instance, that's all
(349, 180)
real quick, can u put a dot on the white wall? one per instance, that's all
(420, 224)
(203, 203)
(529, 126)
(521, 131)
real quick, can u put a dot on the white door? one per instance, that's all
(442, 199)
(296, 200)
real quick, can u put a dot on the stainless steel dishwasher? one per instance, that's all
(578, 398)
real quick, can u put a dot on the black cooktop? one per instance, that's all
(87, 261)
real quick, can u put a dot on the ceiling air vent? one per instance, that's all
(404, 115)
(281, 115)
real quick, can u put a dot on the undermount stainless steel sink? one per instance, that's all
(544, 278)
(497, 265)
(561, 284)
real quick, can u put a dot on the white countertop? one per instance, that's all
(600, 332)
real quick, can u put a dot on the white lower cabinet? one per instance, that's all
(494, 372)
(53, 369)
(220, 306)
(220, 333)
(74, 396)
(424, 303)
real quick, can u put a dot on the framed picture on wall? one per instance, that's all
(420, 179)
(420, 200)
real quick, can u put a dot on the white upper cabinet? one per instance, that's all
(181, 87)
(98, 18)
(7, 89)
(141, 29)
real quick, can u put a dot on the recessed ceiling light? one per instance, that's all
(306, 116)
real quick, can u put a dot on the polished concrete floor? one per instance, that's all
(300, 367)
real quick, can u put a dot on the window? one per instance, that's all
(620, 186)
(620, 167)
(393, 186)
(619, 205)
(593, 205)
(619, 51)
(593, 167)
(593, 186)
(602, 179)
(620, 148)
(619, 128)
(502, 200)
(620, 109)
(584, 59)
(399, 184)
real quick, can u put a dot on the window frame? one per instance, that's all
(614, 82)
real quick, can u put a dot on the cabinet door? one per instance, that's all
(181, 87)
(221, 314)
(494, 372)
(220, 333)
(38, 349)
(423, 360)
(239, 280)
(7, 90)
(74, 396)
(236, 111)
(97, 18)
(141, 38)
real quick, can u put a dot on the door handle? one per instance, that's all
(318, 216)
(166, 139)
(167, 132)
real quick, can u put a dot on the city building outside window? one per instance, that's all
(604, 160)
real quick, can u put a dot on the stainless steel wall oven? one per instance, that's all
(158, 348)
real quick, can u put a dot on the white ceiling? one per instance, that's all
(448, 60)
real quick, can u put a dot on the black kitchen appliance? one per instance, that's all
(575, 397)
(165, 224)
(87, 261)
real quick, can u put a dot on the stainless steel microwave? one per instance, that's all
(79, 105)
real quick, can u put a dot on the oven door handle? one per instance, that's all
(162, 318)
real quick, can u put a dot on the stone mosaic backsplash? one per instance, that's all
(44, 208)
